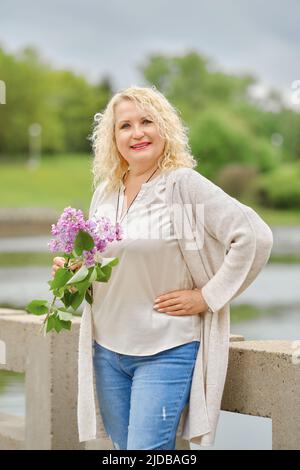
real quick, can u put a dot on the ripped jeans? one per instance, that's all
(141, 398)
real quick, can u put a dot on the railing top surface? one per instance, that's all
(281, 346)
(21, 316)
(278, 346)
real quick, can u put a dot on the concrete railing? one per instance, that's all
(50, 366)
(263, 379)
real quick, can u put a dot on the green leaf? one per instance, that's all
(78, 298)
(88, 297)
(67, 298)
(83, 241)
(50, 323)
(59, 292)
(93, 275)
(55, 323)
(104, 269)
(107, 272)
(109, 262)
(63, 315)
(80, 275)
(61, 277)
(82, 286)
(101, 276)
(37, 307)
(66, 325)
(64, 309)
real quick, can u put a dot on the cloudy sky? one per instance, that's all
(114, 36)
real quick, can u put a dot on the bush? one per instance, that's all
(219, 138)
(280, 188)
(237, 180)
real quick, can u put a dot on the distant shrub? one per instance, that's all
(280, 188)
(237, 180)
(219, 138)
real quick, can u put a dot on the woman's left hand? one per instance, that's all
(181, 302)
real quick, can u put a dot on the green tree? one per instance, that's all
(62, 102)
(219, 138)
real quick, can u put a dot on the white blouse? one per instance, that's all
(150, 264)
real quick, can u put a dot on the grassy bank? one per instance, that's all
(59, 181)
(66, 180)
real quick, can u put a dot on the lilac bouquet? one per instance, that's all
(79, 242)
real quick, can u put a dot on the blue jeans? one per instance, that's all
(141, 398)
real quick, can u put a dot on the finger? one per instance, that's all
(75, 266)
(169, 295)
(175, 314)
(167, 298)
(167, 303)
(58, 265)
(73, 263)
(171, 308)
(54, 270)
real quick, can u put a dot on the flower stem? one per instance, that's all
(51, 309)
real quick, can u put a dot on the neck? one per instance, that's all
(141, 172)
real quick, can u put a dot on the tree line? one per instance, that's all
(235, 137)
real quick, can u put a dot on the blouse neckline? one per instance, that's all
(149, 183)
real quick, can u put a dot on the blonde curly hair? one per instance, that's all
(108, 163)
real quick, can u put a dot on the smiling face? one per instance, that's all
(134, 127)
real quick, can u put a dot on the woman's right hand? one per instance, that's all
(59, 262)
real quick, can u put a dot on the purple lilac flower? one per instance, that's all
(68, 226)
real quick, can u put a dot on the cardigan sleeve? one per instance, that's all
(248, 241)
(246, 238)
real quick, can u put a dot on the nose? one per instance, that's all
(137, 132)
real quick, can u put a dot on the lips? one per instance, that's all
(140, 146)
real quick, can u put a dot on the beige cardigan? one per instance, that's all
(231, 244)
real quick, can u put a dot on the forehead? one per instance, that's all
(127, 109)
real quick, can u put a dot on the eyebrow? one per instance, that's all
(128, 120)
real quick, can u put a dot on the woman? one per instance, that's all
(160, 326)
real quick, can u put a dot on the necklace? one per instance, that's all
(133, 198)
